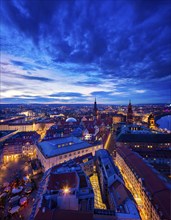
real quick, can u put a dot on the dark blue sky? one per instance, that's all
(65, 51)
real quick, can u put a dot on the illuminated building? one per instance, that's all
(25, 125)
(129, 118)
(64, 187)
(59, 150)
(117, 118)
(22, 143)
(149, 190)
(28, 113)
(113, 190)
(151, 121)
(142, 138)
(90, 132)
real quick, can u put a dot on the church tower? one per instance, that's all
(95, 110)
(151, 121)
(129, 119)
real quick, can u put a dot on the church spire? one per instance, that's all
(95, 109)
(130, 113)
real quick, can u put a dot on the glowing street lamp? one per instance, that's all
(66, 190)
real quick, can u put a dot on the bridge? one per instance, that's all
(160, 115)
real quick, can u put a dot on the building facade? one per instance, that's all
(60, 150)
(113, 191)
(150, 192)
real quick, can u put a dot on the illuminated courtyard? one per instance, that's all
(98, 203)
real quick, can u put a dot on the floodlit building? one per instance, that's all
(113, 190)
(149, 190)
(59, 150)
(151, 121)
(21, 143)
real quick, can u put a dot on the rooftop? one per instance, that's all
(61, 146)
(61, 180)
(148, 138)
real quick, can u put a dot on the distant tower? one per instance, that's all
(129, 119)
(151, 121)
(95, 110)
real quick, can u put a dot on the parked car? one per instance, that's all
(14, 209)
(17, 190)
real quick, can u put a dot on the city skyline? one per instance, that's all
(73, 51)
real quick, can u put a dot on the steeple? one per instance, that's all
(95, 110)
(151, 121)
(129, 113)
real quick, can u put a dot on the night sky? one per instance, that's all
(65, 51)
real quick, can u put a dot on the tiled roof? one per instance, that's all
(61, 180)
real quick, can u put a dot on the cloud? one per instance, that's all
(119, 46)
(26, 66)
(140, 91)
(66, 94)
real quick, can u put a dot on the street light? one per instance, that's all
(66, 190)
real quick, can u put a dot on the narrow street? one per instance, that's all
(111, 145)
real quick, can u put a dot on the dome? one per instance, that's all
(71, 120)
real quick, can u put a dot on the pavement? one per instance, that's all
(14, 168)
(9, 172)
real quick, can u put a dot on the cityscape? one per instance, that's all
(85, 110)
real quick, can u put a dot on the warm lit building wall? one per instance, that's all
(136, 187)
(26, 126)
(12, 151)
(19, 127)
(29, 149)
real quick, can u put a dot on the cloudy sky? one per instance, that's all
(66, 51)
